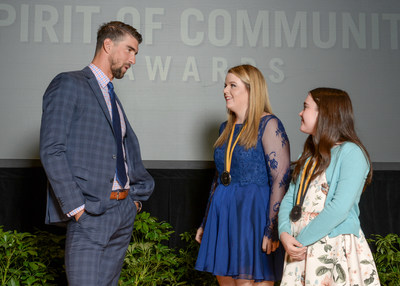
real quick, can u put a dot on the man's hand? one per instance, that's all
(78, 215)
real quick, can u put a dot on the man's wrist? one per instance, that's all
(75, 211)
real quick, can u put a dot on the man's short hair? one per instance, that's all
(115, 31)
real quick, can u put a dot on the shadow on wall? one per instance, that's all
(210, 133)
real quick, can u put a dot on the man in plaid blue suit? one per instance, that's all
(79, 152)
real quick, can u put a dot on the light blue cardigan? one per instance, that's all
(346, 175)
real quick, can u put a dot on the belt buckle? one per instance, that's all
(118, 196)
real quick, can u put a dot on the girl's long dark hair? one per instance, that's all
(335, 124)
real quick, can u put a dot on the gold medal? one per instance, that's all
(226, 178)
(295, 214)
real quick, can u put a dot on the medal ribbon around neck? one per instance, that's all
(295, 213)
(226, 176)
(304, 185)
(230, 148)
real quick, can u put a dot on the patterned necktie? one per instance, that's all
(121, 172)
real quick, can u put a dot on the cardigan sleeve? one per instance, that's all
(284, 211)
(349, 174)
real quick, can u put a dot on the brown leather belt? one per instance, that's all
(119, 195)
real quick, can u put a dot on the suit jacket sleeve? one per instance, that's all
(141, 182)
(59, 105)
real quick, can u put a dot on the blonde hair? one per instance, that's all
(258, 104)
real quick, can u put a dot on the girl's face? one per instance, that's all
(309, 116)
(236, 94)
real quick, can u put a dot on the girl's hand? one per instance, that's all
(268, 245)
(199, 234)
(293, 248)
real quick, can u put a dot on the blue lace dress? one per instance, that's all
(240, 214)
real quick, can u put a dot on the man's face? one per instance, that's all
(123, 55)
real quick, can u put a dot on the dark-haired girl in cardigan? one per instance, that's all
(318, 219)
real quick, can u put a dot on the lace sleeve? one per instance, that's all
(213, 185)
(277, 156)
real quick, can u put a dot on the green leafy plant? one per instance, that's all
(148, 260)
(21, 262)
(189, 256)
(387, 258)
(50, 249)
(38, 259)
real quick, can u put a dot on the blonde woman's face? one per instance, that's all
(309, 116)
(236, 94)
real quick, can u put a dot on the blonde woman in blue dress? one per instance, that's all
(239, 234)
(318, 219)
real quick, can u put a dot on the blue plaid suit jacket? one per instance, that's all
(78, 150)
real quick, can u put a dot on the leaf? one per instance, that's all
(14, 282)
(327, 247)
(341, 273)
(369, 280)
(321, 270)
(31, 280)
(365, 262)
(324, 259)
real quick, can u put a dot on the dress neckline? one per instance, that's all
(262, 118)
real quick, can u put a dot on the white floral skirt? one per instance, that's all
(342, 260)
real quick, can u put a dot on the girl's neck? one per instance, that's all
(240, 117)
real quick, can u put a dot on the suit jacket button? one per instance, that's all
(114, 157)
(111, 180)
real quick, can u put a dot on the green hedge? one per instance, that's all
(30, 259)
(387, 258)
(38, 259)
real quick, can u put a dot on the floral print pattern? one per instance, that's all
(342, 260)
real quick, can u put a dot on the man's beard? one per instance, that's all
(117, 72)
(116, 69)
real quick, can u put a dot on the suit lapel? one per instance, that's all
(122, 109)
(97, 92)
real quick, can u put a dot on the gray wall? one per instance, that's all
(173, 95)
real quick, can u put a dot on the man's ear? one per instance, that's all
(107, 45)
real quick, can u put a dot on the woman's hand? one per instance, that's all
(293, 248)
(199, 234)
(268, 245)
